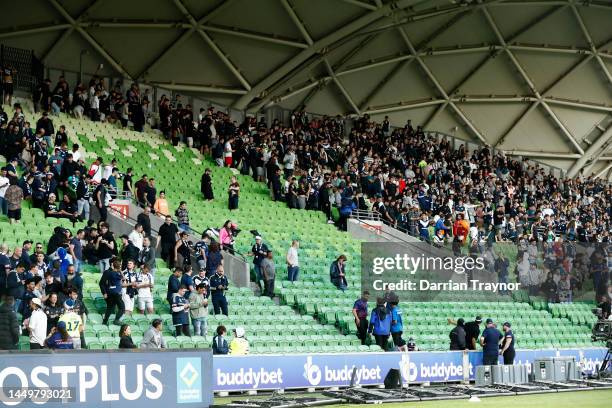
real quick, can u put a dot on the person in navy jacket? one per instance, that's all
(218, 286)
(180, 312)
(380, 323)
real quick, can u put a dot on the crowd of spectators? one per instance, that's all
(412, 180)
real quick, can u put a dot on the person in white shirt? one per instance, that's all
(145, 283)
(4, 185)
(137, 237)
(76, 154)
(108, 169)
(289, 162)
(228, 152)
(129, 287)
(37, 325)
(293, 264)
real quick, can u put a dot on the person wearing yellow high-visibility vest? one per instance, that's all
(74, 323)
(239, 346)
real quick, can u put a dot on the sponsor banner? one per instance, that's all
(72, 378)
(266, 372)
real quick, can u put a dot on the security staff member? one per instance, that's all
(110, 286)
(507, 350)
(490, 343)
(218, 286)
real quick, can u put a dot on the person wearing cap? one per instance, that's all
(74, 322)
(507, 349)
(457, 336)
(37, 325)
(472, 331)
(490, 344)
(239, 346)
(259, 251)
(380, 323)
(59, 339)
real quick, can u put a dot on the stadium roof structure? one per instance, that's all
(531, 77)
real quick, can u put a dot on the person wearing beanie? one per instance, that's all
(457, 336)
(490, 343)
(59, 338)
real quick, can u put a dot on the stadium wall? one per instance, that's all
(117, 379)
(302, 371)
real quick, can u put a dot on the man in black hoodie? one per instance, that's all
(9, 327)
(457, 336)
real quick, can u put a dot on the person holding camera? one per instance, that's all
(105, 247)
(226, 236)
(182, 247)
(259, 251)
(182, 215)
(233, 192)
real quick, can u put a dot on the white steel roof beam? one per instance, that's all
(183, 37)
(341, 87)
(589, 38)
(222, 56)
(90, 39)
(439, 87)
(33, 30)
(317, 46)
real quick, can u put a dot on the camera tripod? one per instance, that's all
(603, 369)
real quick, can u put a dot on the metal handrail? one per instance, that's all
(126, 196)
